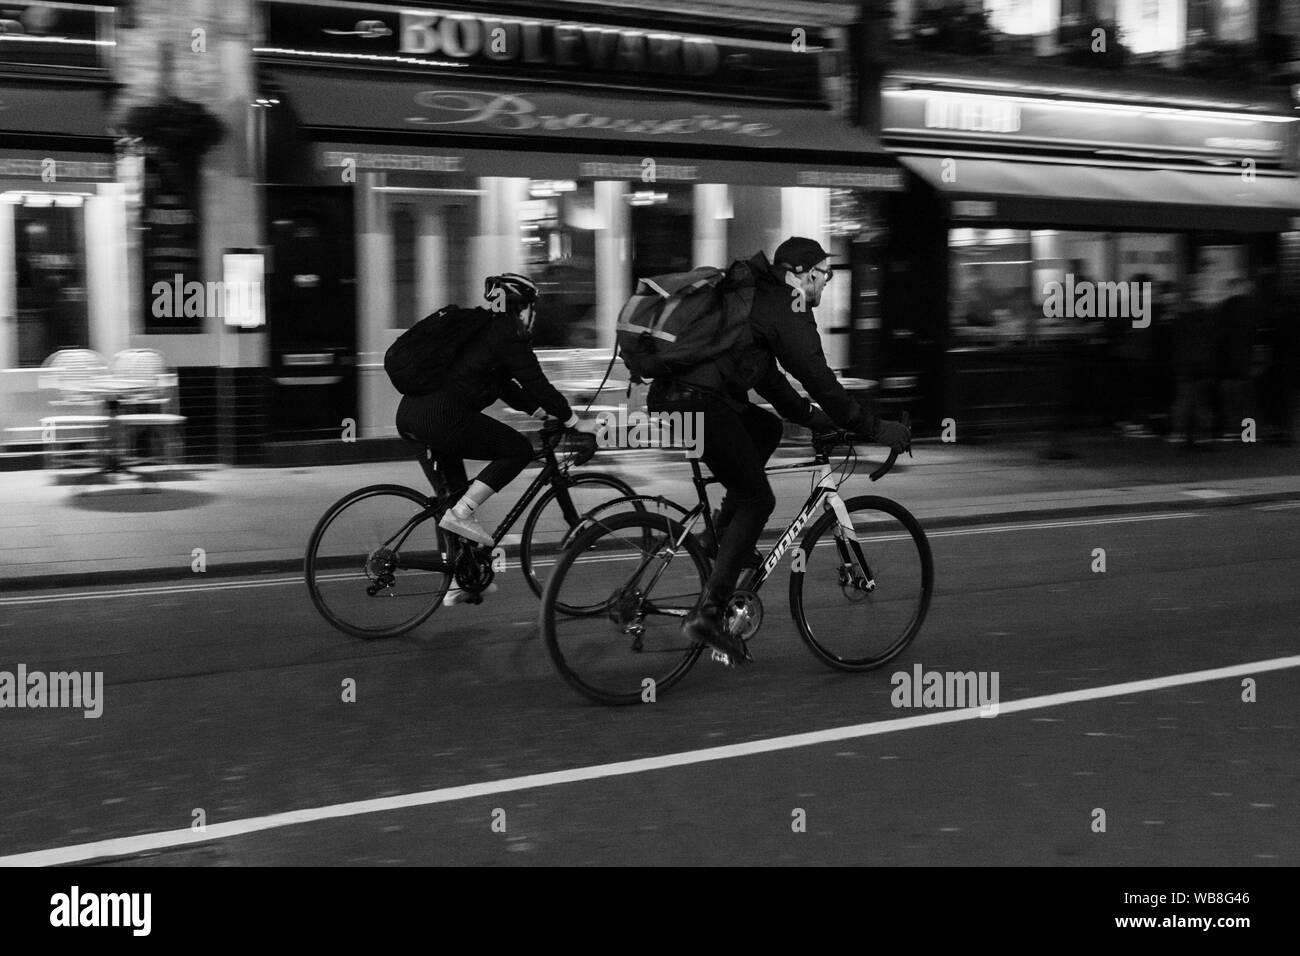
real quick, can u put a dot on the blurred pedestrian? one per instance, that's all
(1164, 325)
(1071, 383)
(1235, 346)
(1282, 379)
(1193, 360)
(1128, 359)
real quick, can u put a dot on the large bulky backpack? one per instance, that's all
(418, 362)
(675, 322)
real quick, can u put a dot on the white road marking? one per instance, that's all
(144, 842)
(154, 589)
(541, 563)
(1280, 506)
(1063, 523)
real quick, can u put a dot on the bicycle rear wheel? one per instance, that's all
(368, 564)
(858, 607)
(635, 584)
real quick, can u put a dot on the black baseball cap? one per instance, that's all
(800, 253)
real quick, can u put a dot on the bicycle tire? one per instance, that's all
(315, 564)
(527, 549)
(629, 687)
(908, 576)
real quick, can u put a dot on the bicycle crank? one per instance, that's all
(474, 573)
(744, 615)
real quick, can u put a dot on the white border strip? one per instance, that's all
(127, 846)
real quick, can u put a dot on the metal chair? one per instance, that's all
(151, 406)
(77, 431)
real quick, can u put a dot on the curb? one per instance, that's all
(169, 574)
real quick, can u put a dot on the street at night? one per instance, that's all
(226, 697)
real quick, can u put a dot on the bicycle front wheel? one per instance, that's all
(557, 512)
(373, 562)
(861, 597)
(636, 576)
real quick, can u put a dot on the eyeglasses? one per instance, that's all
(826, 272)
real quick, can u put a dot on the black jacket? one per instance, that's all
(779, 334)
(500, 364)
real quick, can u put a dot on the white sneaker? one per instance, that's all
(467, 528)
(456, 595)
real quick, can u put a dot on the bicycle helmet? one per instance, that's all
(520, 291)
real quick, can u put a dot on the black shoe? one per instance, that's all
(704, 626)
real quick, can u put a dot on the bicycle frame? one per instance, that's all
(825, 493)
(547, 476)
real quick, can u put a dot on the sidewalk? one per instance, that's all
(53, 532)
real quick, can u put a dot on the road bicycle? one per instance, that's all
(378, 565)
(861, 581)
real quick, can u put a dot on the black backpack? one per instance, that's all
(418, 362)
(675, 322)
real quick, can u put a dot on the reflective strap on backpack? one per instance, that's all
(645, 330)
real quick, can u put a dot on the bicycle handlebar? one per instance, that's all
(827, 442)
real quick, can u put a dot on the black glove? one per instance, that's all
(819, 423)
(896, 435)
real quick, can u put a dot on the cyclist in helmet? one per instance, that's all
(497, 364)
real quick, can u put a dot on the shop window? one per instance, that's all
(432, 249)
(662, 227)
(1023, 17)
(49, 241)
(558, 231)
(1228, 21)
(991, 283)
(1001, 280)
(1151, 27)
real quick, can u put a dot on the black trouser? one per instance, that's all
(455, 431)
(735, 447)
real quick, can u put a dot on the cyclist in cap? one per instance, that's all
(738, 437)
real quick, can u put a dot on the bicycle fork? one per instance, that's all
(854, 570)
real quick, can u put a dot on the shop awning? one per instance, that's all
(1053, 194)
(59, 112)
(342, 106)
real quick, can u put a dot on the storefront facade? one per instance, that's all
(96, 216)
(62, 210)
(1079, 144)
(411, 152)
(1016, 191)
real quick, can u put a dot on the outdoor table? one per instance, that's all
(111, 390)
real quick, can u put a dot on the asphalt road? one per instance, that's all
(225, 697)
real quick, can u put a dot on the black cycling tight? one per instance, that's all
(456, 431)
